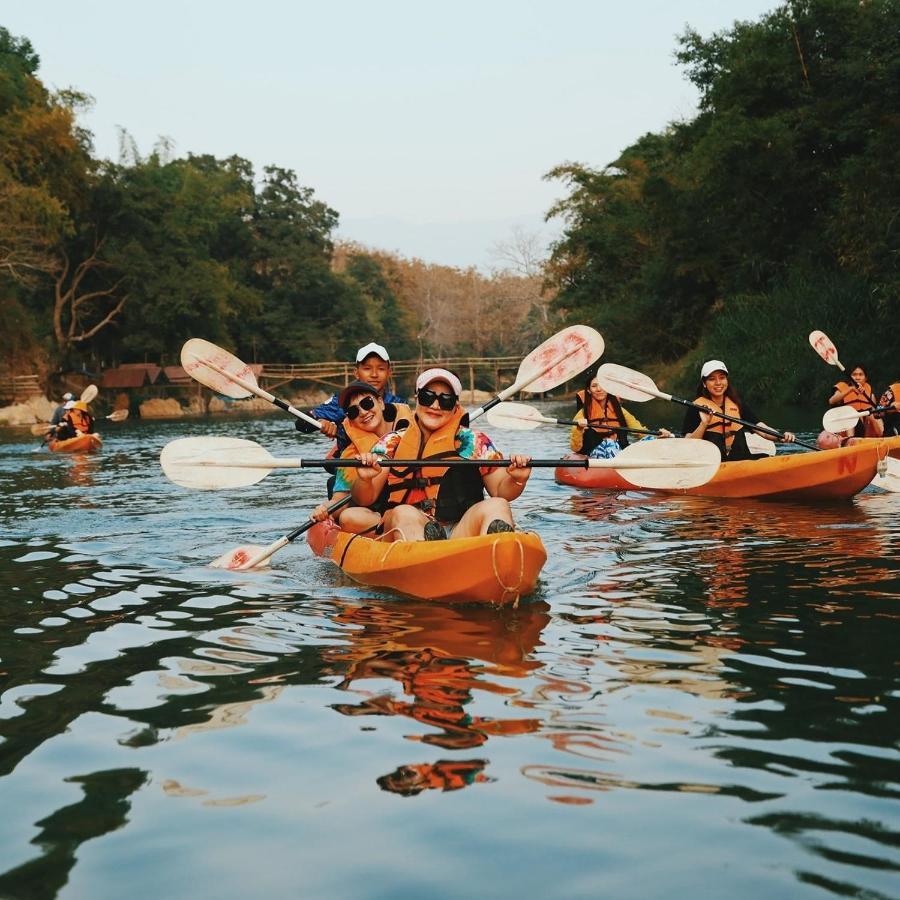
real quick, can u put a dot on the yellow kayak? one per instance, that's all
(82, 443)
(491, 568)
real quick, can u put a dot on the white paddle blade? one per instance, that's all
(89, 393)
(821, 343)
(240, 556)
(560, 358)
(756, 443)
(514, 416)
(118, 415)
(666, 463)
(842, 418)
(210, 464)
(625, 383)
(196, 353)
(890, 480)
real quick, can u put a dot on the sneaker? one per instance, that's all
(498, 526)
(434, 531)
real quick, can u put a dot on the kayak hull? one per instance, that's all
(83, 443)
(823, 475)
(493, 568)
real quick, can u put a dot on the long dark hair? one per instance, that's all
(616, 404)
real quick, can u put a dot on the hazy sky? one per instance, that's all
(427, 126)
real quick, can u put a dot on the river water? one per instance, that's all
(701, 700)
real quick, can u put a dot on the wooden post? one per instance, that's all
(471, 383)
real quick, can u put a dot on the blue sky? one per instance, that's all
(427, 126)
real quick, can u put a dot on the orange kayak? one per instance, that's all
(83, 443)
(492, 568)
(821, 475)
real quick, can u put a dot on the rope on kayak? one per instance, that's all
(509, 588)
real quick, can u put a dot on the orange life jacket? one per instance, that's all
(431, 488)
(363, 441)
(891, 397)
(860, 398)
(717, 425)
(602, 416)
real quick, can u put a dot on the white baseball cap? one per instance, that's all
(68, 404)
(369, 349)
(713, 365)
(430, 375)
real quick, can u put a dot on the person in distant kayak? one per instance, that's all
(858, 393)
(364, 423)
(373, 366)
(76, 421)
(600, 422)
(60, 410)
(434, 502)
(717, 394)
(891, 418)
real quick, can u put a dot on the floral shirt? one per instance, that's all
(472, 445)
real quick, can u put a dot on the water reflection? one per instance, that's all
(436, 657)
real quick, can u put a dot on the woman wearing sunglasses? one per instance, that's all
(365, 423)
(434, 502)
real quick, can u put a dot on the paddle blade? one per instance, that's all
(890, 480)
(625, 383)
(196, 353)
(239, 557)
(514, 416)
(667, 464)
(821, 343)
(560, 358)
(89, 393)
(756, 443)
(842, 418)
(203, 463)
(118, 415)
(41, 428)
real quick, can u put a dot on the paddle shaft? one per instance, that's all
(263, 394)
(292, 536)
(586, 463)
(752, 425)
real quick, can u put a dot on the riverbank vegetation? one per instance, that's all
(773, 212)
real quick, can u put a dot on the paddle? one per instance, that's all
(631, 385)
(224, 373)
(210, 463)
(889, 479)
(822, 344)
(522, 417)
(843, 418)
(249, 556)
(117, 415)
(554, 362)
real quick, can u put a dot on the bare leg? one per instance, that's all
(404, 522)
(476, 518)
(358, 519)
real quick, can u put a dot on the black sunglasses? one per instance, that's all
(367, 403)
(445, 401)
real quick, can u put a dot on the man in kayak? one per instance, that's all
(368, 419)
(435, 502)
(373, 366)
(76, 421)
(60, 410)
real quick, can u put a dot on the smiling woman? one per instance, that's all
(434, 503)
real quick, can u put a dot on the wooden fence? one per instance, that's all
(15, 388)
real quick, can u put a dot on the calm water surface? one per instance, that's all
(701, 701)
